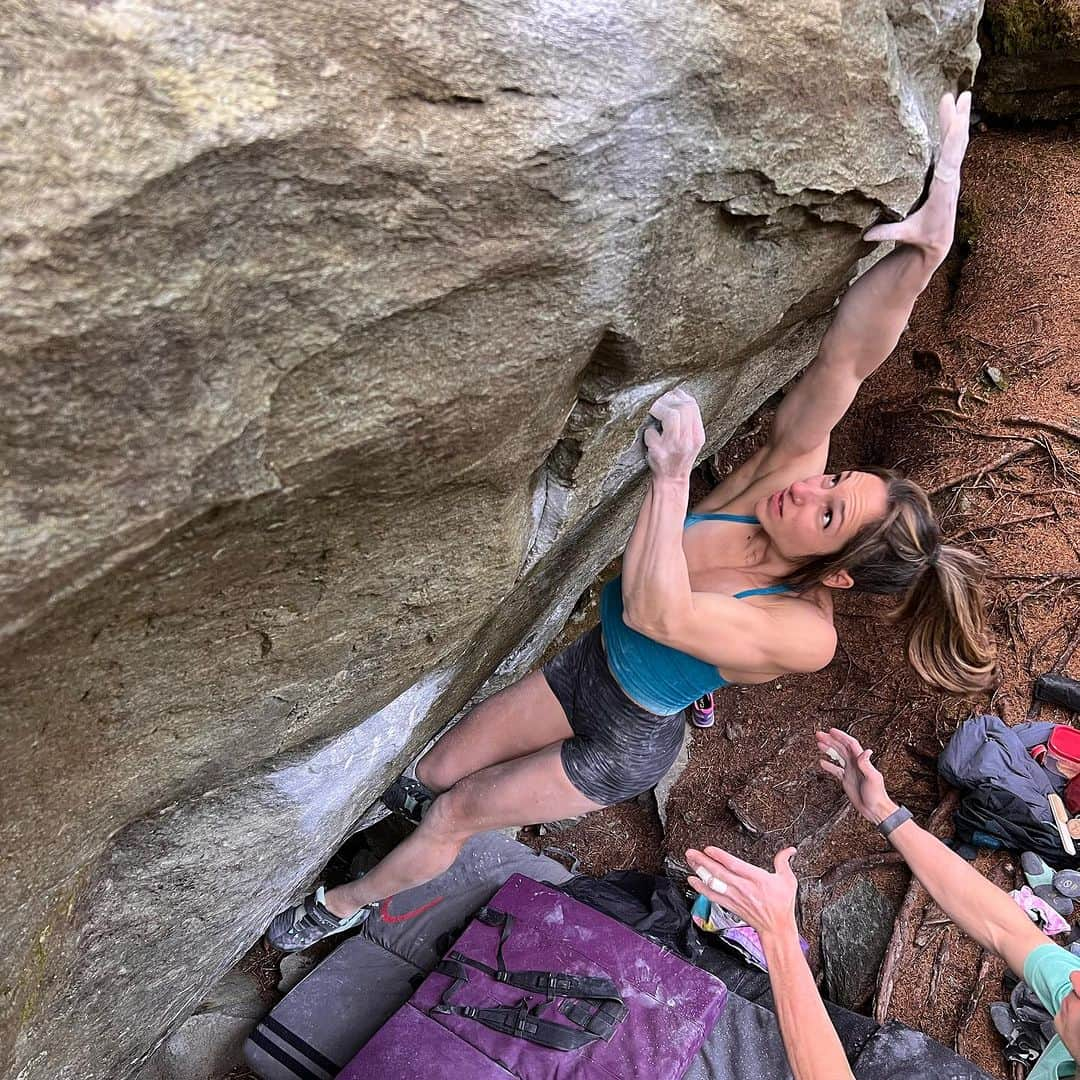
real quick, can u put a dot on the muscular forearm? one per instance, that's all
(976, 905)
(655, 580)
(813, 1047)
(867, 325)
(874, 311)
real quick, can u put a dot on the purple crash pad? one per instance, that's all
(671, 1004)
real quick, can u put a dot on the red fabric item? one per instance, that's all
(1063, 750)
(1072, 795)
(1064, 743)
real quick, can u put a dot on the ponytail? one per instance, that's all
(948, 645)
(942, 586)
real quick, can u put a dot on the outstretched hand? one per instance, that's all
(673, 449)
(763, 900)
(844, 759)
(931, 226)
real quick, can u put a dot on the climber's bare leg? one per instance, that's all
(521, 792)
(510, 724)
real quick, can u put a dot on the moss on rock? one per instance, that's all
(1022, 27)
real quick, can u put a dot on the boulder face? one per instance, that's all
(328, 332)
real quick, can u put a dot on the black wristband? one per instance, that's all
(894, 821)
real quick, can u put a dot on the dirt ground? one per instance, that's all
(1008, 299)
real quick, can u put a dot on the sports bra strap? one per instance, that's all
(768, 590)
(742, 519)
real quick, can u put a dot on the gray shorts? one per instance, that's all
(619, 748)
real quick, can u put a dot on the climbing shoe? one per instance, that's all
(1058, 888)
(702, 712)
(1067, 882)
(299, 927)
(1021, 1044)
(1061, 904)
(409, 798)
(1036, 871)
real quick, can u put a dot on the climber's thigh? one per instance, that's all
(510, 724)
(526, 791)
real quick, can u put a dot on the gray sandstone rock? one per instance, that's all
(671, 777)
(210, 1043)
(294, 968)
(855, 932)
(326, 333)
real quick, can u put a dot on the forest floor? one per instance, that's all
(1004, 469)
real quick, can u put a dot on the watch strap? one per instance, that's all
(894, 820)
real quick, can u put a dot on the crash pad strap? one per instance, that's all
(518, 1021)
(601, 1018)
(550, 983)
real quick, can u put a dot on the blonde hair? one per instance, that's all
(942, 586)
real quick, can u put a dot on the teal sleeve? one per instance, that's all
(1047, 970)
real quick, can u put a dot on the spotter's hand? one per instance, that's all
(673, 449)
(844, 759)
(763, 900)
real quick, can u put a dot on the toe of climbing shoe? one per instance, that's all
(1002, 1018)
(1036, 871)
(1067, 882)
(301, 926)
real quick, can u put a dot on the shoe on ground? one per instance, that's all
(408, 797)
(1061, 904)
(297, 928)
(1001, 1016)
(702, 712)
(1067, 882)
(1036, 871)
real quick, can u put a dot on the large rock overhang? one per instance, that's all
(327, 336)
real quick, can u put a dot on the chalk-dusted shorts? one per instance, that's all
(619, 748)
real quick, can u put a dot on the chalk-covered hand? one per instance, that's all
(764, 900)
(673, 449)
(844, 759)
(930, 228)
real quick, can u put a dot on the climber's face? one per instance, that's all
(820, 515)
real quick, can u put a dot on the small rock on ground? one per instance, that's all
(855, 932)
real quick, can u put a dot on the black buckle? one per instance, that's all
(502, 976)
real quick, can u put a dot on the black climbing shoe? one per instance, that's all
(409, 798)
(299, 927)
(1022, 1045)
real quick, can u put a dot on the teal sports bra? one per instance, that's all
(662, 679)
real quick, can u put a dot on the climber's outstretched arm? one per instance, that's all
(873, 313)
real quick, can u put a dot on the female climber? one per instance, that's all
(740, 591)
